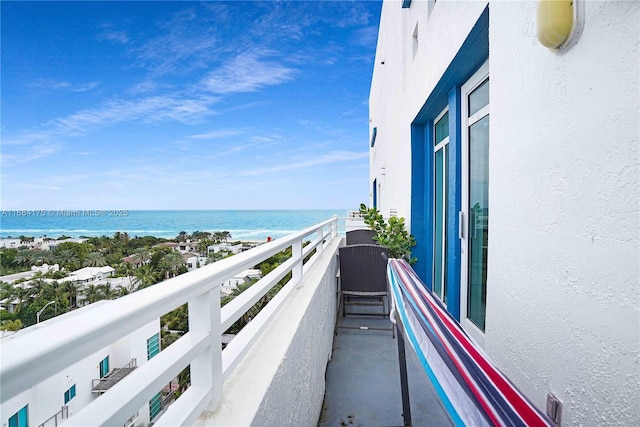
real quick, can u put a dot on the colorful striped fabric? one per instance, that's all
(474, 392)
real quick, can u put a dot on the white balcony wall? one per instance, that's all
(47, 397)
(281, 380)
(563, 288)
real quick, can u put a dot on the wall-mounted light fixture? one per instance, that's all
(558, 23)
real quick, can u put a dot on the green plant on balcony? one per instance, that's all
(392, 234)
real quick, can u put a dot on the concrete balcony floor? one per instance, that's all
(363, 380)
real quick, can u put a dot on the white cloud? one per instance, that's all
(58, 85)
(115, 36)
(150, 109)
(219, 133)
(247, 72)
(332, 157)
(85, 87)
(33, 152)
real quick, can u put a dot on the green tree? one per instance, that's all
(80, 250)
(94, 259)
(171, 264)
(392, 234)
(71, 289)
(142, 256)
(42, 257)
(21, 294)
(203, 245)
(7, 256)
(108, 292)
(145, 276)
(11, 325)
(24, 258)
(125, 290)
(93, 294)
(38, 286)
(67, 259)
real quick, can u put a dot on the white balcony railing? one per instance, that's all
(31, 358)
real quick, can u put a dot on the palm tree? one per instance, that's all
(145, 276)
(203, 245)
(38, 286)
(60, 295)
(24, 258)
(21, 294)
(93, 293)
(41, 257)
(95, 259)
(66, 257)
(6, 290)
(226, 236)
(142, 256)
(107, 291)
(171, 263)
(70, 288)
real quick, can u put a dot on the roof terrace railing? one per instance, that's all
(57, 418)
(102, 385)
(28, 359)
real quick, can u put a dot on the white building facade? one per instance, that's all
(75, 387)
(516, 167)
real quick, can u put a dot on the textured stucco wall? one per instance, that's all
(563, 287)
(281, 380)
(563, 280)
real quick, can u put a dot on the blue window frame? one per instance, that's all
(426, 166)
(374, 134)
(155, 406)
(69, 394)
(104, 367)
(375, 193)
(440, 212)
(20, 418)
(153, 345)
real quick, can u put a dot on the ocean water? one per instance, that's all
(253, 225)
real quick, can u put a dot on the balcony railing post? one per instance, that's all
(321, 239)
(296, 253)
(334, 227)
(206, 369)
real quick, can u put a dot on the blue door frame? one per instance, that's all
(472, 54)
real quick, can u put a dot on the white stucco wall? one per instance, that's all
(281, 380)
(46, 398)
(563, 278)
(563, 286)
(401, 85)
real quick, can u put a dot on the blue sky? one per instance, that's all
(186, 105)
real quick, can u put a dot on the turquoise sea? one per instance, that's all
(253, 225)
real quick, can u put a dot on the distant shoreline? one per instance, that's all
(245, 225)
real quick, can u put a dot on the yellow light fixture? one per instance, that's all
(556, 22)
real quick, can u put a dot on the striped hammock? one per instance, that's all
(473, 390)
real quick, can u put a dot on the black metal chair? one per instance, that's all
(361, 237)
(363, 276)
